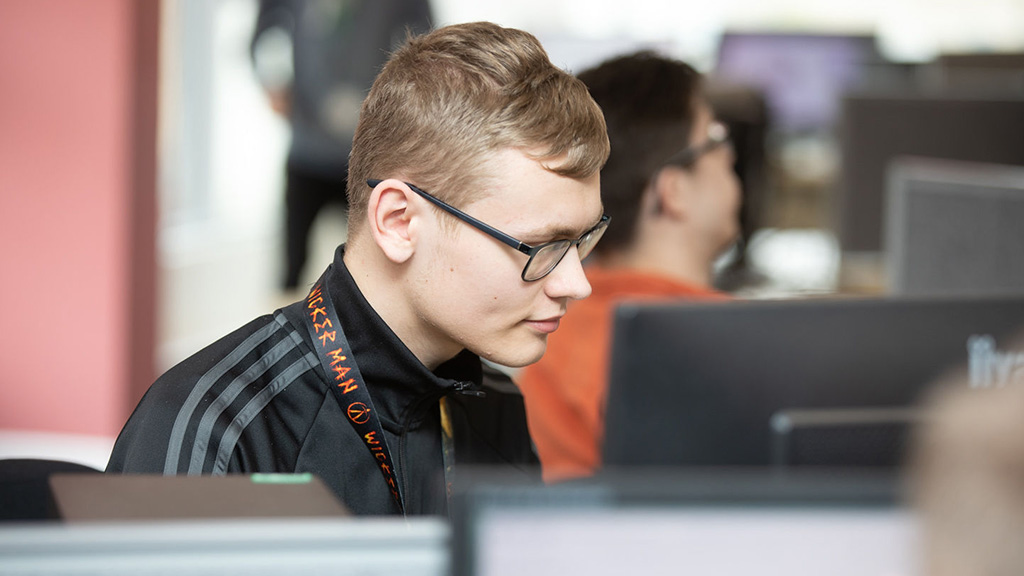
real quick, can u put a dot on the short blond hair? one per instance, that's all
(447, 100)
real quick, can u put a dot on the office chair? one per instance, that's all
(25, 489)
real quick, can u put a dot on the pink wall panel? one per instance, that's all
(65, 88)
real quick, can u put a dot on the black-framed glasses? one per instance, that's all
(718, 136)
(543, 257)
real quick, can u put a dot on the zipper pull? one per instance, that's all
(468, 389)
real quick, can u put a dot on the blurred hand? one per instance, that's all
(280, 101)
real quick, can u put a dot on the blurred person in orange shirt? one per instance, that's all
(674, 197)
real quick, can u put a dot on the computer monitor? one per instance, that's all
(720, 522)
(954, 228)
(252, 546)
(802, 76)
(83, 497)
(1010, 61)
(790, 384)
(1002, 71)
(875, 129)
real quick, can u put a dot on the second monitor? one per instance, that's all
(790, 383)
(954, 228)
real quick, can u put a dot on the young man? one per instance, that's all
(670, 187)
(372, 382)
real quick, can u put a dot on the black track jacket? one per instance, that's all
(258, 400)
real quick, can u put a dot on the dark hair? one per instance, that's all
(649, 104)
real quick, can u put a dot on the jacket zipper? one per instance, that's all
(421, 407)
(460, 387)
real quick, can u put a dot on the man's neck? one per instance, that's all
(381, 284)
(665, 254)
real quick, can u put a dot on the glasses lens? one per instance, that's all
(589, 240)
(545, 260)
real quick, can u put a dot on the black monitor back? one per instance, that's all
(1002, 71)
(788, 383)
(877, 128)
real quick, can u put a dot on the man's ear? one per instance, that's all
(391, 214)
(672, 189)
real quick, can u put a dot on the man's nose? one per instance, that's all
(568, 280)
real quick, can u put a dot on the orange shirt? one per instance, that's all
(565, 391)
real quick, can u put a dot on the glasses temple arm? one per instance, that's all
(485, 228)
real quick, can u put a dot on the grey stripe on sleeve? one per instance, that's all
(177, 438)
(253, 408)
(204, 434)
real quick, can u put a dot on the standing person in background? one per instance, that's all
(316, 60)
(469, 140)
(670, 188)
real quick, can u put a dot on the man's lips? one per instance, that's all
(545, 326)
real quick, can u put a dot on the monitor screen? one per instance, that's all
(791, 383)
(954, 228)
(803, 76)
(712, 523)
(215, 547)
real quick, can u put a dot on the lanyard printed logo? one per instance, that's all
(349, 388)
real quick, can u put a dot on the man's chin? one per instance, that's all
(518, 358)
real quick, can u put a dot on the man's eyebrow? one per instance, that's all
(557, 232)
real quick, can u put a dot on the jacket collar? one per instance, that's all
(400, 385)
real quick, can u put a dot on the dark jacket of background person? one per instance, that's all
(316, 60)
(338, 47)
